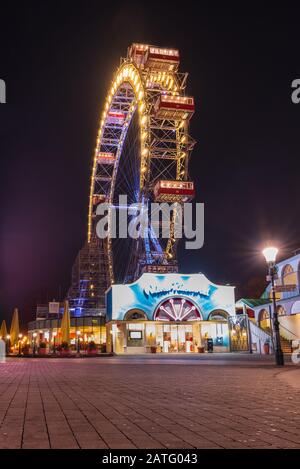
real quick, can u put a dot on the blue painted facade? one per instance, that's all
(148, 292)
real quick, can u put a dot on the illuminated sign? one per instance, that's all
(54, 307)
(135, 335)
(150, 290)
(184, 285)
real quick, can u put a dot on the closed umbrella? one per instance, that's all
(15, 328)
(65, 324)
(3, 330)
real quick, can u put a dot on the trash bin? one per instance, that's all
(210, 345)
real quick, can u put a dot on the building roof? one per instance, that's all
(295, 256)
(253, 302)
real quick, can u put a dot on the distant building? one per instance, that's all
(89, 281)
(288, 303)
(86, 297)
(47, 325)
(169, 312)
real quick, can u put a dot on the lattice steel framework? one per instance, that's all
(89, 279)
(164, 147)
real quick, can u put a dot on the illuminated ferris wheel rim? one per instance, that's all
(144, 88)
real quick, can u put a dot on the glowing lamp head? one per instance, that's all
(270, 254)
(34, 335)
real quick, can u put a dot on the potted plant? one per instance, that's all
(64, 349)
(25, 349)
(102, 348)
(92, 348)
(42, 348)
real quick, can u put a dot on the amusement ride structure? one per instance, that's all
(142, 151)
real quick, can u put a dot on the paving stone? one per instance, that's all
(132, 402)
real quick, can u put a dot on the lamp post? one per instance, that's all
(20, 337)
(270, 254)
(7, 344)
(78, 333)
(112, 341)
(54, 334)
(34, 335)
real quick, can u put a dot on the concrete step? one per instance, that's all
(286, 345)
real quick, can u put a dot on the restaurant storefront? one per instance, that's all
(85, 329)
(144, 337)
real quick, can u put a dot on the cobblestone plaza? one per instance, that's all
(141, 402)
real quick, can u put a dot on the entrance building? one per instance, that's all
(173, 337)
(170, 313)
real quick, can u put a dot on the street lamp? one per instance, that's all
(270, 254)
(78, 333)
(34, 335)
(54, 334)
(7, 344)
(112, 341)
(20, 337)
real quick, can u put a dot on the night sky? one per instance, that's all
(58, 60)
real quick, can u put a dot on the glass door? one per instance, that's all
(181, 338)
(189, 346)
(166, 338)
(174, 338)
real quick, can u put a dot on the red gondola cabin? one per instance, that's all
(174, 107)
(174, 191)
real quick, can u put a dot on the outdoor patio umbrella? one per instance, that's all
(65, 324)
(15, 328)
(3, 330)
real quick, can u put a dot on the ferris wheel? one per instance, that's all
(142, 151)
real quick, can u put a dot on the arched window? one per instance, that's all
(177, 309)
(264, 319)
(288, 276)
(218, 315)
(280, 310)
(135, 314)
(296, 307)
